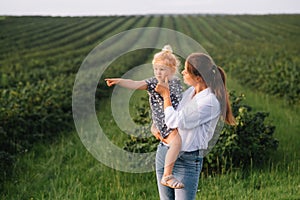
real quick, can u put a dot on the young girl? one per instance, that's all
(165, 65)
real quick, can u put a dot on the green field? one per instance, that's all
(41, 154)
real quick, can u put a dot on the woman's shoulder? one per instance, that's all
(190, 89)
(188, 92)
(206, 96)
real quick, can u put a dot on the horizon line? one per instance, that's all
(148, 14)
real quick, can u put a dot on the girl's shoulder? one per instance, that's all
(175, 81)
(152, 80)
(175, 86)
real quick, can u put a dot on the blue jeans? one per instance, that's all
(187, 169)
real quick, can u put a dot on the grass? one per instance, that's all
(275, 183)
(66, 170)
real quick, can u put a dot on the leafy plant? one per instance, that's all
(31, 113)
(250, 142)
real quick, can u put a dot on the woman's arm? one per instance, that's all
(127, 83)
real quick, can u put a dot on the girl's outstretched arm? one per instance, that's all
(127, 83)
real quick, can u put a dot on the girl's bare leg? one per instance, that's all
(174, 141)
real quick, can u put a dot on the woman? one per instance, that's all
(202, 104)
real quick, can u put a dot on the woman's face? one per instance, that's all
(188, 78)
(161, 72)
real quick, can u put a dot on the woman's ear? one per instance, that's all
(199, 79)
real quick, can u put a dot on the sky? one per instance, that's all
(144, 7)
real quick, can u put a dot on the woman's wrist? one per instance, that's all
(167, 101)
(167, 98)
(166, 95)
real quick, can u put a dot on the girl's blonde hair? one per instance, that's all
(166, 58)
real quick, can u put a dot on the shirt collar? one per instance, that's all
(204, 92)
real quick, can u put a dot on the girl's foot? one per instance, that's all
(171, 182)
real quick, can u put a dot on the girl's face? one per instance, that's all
(188, 78)
(161, 72)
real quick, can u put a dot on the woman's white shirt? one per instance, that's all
(196, 118)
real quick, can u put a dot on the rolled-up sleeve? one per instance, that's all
(171, 118)
(193, 114)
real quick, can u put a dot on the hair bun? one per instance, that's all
(167, 48)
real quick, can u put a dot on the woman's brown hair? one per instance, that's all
(201, 65)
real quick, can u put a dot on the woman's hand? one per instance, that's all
(155, 132)
(163, 88)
